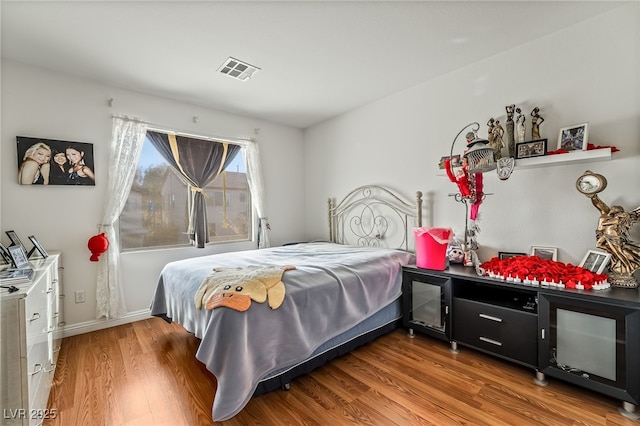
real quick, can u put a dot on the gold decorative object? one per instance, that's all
(612, 234)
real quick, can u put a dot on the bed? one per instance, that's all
(343, 293)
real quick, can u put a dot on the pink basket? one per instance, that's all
(431, 247)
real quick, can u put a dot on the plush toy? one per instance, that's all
(455, 252)
(236, 288)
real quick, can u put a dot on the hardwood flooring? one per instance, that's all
(145, 373)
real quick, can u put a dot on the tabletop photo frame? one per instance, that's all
(574, 138)
(4, 255)
(18, 256)
(545, 253)
(37, 247)
(595, 261)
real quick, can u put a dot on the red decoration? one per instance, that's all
(536, 271)
(98, 244)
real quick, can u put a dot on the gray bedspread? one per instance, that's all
(333, 288)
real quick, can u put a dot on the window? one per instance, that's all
(155, 214)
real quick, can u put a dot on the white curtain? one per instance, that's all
(126, 145)
(256, 186)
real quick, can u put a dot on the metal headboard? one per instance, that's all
(373, 215)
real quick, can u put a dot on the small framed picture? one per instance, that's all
(536, 148)
(595, 261)
(507, 254)
(14, 238)
(37, 246)
(545, 253)
(574, 138)
(18, 256)
(4, 254)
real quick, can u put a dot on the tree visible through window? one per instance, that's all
(155, 214)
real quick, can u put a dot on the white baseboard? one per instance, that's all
(99, 324)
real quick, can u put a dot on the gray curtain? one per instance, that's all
(199, 162)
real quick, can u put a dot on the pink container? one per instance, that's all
(431, 247)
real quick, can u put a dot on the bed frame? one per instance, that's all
(375, 216)
(370, 215)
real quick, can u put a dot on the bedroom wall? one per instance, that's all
(585, 73)
(39, 103)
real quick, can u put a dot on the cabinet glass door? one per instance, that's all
(426, 304)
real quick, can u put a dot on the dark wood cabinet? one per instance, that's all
(504, 332)
(426, 300)
(588, 338)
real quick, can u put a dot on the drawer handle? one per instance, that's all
(62, 323)
(489, 317)
(53, 367)
(49, 329)
(35, 316)
(38, 369)
(493, 342)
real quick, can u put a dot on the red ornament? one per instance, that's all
(98, 244)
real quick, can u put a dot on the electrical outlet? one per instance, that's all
(79, 296)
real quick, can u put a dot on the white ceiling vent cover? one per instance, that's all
(238, 69)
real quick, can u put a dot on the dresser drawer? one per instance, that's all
(506, 332)
(36, 312)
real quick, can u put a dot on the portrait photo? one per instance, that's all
(574, 138)
(54, 162)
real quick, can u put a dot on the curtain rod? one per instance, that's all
(158, 128)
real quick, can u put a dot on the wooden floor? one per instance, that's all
(145, 373)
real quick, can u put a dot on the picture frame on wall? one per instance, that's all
(18, 257)
(536, 148)
(595, 261)
(545, 253)
(37, 247)
(574, 138)
(55, 162)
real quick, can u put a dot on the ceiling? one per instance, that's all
(318, 59)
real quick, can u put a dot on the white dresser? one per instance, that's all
(30, 340)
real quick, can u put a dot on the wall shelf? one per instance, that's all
(600, 154)
(575, 157)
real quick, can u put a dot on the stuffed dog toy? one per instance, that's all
(236, 288)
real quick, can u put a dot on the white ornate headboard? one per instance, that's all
(373, 215)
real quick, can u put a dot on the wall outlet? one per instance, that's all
(79, 296)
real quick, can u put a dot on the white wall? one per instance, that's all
(44, 104)
(586, 73)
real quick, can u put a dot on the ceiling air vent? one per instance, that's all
(238, 69)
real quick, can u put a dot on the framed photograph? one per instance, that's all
(55, 162)
(15, 240)
(595, 261)
(4, 254)
(455, 161)
(37, 246)
(536, 148)
(546, 253)
(18, 257)
(507, 254)
(574, 138)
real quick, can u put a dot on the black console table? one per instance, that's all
(590, 338)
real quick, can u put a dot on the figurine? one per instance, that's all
(520, 118)
(498, 141)
(490, 134)
(536, 121)
(511, 142)
(613, 237)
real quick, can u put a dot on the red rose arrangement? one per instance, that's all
(532, 270)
